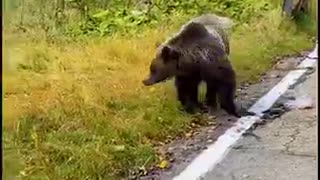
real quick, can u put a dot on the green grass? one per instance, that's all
(79, 110)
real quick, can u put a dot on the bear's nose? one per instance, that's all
(146, 82)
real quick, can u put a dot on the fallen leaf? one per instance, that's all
(189, 134)
(163, 164)
(209, 141)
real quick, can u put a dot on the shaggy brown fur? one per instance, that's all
(197, 53)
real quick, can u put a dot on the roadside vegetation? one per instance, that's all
(74, 103)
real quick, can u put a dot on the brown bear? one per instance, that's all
(199, 52)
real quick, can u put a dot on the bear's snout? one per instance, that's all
(147, 82)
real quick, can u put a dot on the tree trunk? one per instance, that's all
(292, 7)
(301, 6)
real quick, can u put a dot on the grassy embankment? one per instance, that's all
(79, 109)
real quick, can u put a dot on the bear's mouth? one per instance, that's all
(151, 81)
(164, 79)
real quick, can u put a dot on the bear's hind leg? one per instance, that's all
(211, 96)
(226, 98)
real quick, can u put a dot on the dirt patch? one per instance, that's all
(181, 151)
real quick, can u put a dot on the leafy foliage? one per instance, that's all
(97, 17)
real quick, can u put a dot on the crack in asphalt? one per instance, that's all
(301, 154)
(292, 137)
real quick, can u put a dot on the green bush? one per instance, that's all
(92, 18)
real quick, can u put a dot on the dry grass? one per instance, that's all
(80, 110)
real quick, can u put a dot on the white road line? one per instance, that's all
(271, 97)
(210, 157)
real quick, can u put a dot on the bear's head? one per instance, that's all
(163, 66)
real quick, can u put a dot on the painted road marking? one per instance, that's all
(210, 157)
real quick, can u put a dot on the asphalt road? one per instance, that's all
(286, 150)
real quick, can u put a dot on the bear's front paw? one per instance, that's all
(191, 108)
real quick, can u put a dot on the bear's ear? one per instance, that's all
(169, 54)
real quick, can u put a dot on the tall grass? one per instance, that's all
(78, 110)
